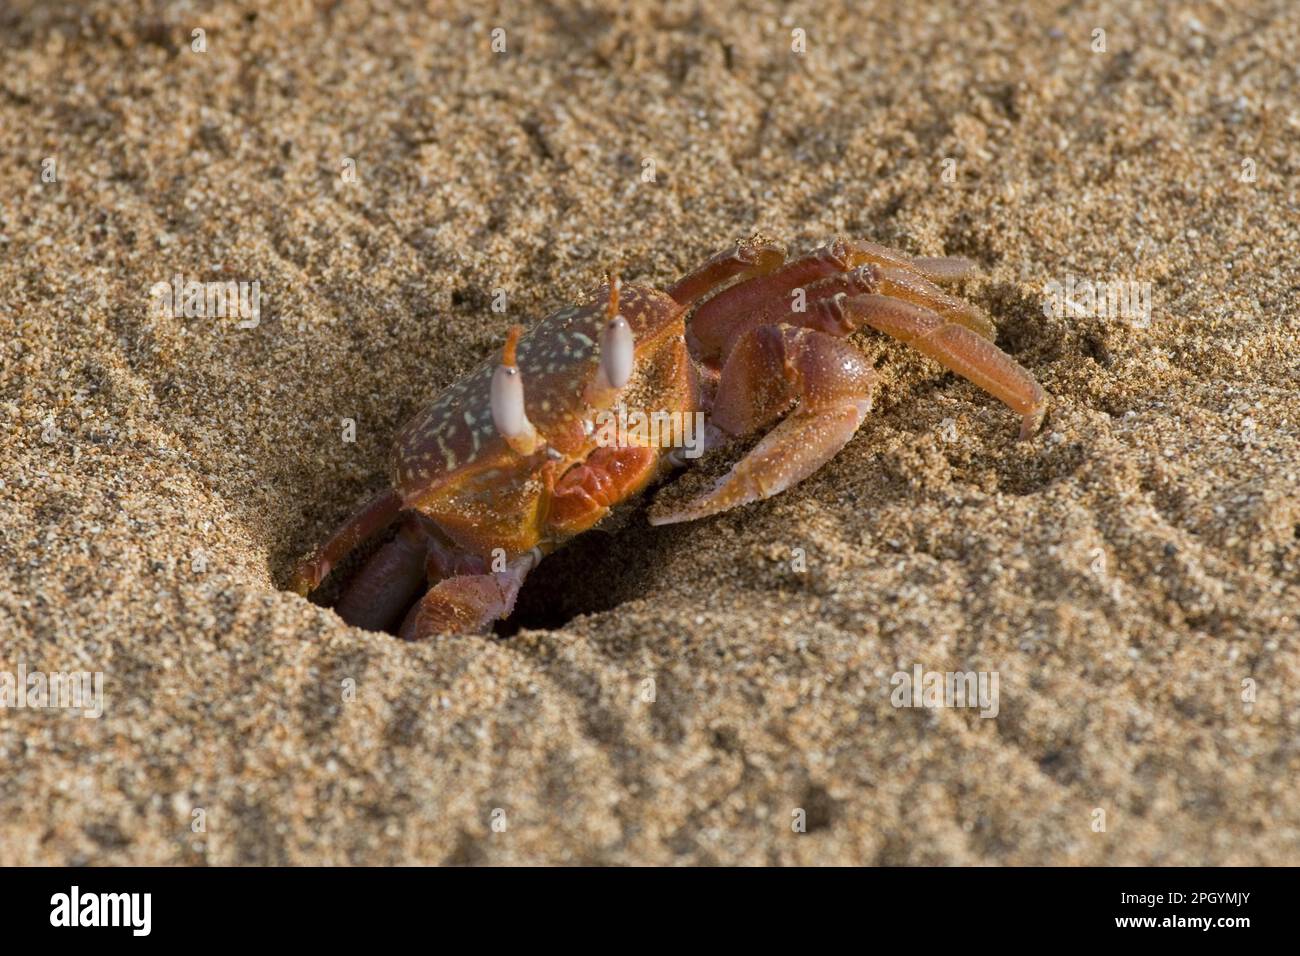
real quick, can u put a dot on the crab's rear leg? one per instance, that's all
(859, 267)
(771, 368)
(935, 268)
(952, 345)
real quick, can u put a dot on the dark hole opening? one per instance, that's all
(595, 572)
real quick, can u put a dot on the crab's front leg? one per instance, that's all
(770, 369)
(468, 603)
(381, 591)
(375, 515)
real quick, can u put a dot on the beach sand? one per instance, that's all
(683, 694)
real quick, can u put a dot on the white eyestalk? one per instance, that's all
(617, 353)
(507, 400)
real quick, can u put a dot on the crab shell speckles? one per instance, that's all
(557, 359)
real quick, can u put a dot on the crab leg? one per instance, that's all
(934, 268)
(378, 595)
(858, 267)
(371, 518)
(954, 346)
(908, 286)
(755, 256)
(771, 368)
(468, 603)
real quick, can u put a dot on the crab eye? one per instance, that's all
(508, 402)
(617, 352)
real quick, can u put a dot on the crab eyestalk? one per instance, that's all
(508, 412)
(617, 353)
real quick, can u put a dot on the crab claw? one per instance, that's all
(507, 400)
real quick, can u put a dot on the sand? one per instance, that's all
(1131, 574)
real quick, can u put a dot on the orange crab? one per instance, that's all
(507, 464)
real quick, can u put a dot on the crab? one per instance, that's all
(507, 464)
